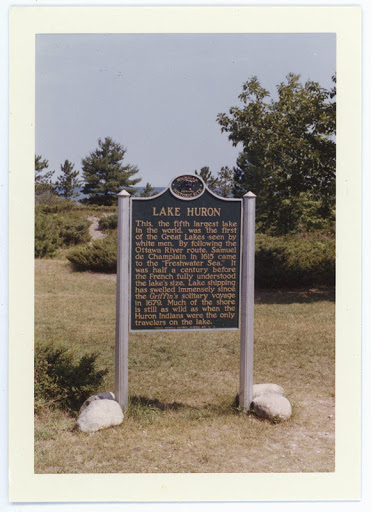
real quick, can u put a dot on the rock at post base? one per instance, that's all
(99, 396)
(263, 389)
(272, 406)
(100, 414)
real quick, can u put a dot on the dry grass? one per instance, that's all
(183, 385)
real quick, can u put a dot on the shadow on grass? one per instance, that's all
(291, 296)
(155, 404)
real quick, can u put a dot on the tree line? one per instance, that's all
(288, 159)
(103, 173)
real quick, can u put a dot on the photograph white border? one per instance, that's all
(344, 483)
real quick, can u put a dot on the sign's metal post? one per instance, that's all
(122, 300)
(247, 302)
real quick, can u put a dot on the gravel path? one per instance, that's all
(95, 232)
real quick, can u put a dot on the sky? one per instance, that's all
(159, 94)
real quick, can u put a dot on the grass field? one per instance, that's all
(183, 385)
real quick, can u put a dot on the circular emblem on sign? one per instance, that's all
(187, 186)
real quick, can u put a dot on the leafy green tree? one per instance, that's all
(68, 181)
(289, 150)
(105, 175)
(43, 182)
(208, 178)
(148, 191)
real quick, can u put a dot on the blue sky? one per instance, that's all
(159, 94)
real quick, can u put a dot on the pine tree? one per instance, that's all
(148, 191)
(43, 182)
(208, 178)
(225, 182)
(68, 182)
(105, 175)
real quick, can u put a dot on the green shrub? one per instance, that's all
(49, 202)
(101, 256)
(295, 215)
(97, 207)
(108, 222)
(47, 237)
(294, 261)
(58, 230)
(61, 381)
(73, 230)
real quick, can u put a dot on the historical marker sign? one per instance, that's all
(185, 259)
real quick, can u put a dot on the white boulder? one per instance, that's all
(100, 414)
(263, 389)
(99, 396)
(272, 406)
